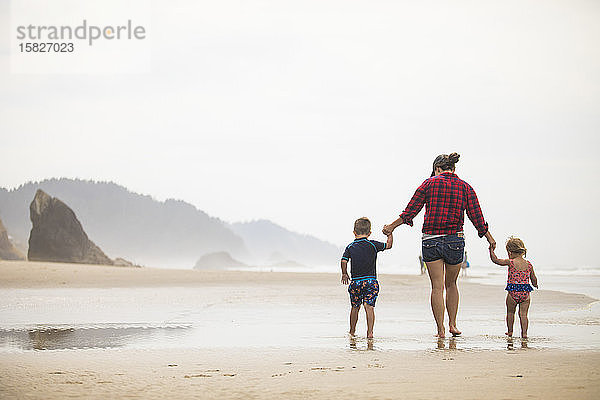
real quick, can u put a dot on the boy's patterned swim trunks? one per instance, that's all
(363, 291)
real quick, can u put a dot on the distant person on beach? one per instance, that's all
(363, 286)
(520, 272)
(465, 265)
(446, 198)
(422, 264)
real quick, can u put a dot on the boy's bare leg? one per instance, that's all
(511, 307)
(436, 276)
(452, 296)
(353, 319)
(370, 311)
(523, 309)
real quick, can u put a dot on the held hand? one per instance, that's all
(490, 240)
(492, 243)
(535, 285)
(387, 230)
(345, 279)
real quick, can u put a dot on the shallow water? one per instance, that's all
(230, 316)
(147, 337)
(583, 281)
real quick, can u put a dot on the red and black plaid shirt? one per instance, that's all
(446, 197)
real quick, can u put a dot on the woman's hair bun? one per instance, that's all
(453, 158)
(445, 162)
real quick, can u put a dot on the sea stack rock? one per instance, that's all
(121, 262)
(218, 260)
(57, 234)
(7, 250)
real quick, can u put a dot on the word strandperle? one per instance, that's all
(84, 31)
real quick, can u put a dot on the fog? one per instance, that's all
(315, 113)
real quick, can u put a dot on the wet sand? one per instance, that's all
(299, 374)
(21, 274)
(281, 335)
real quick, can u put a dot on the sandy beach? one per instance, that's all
(97, 332)
(265, 374)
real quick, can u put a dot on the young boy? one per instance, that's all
(364, 287)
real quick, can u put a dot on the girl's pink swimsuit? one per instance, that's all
(517, 284)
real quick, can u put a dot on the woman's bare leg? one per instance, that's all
(511, 306)
(523, 309)
(436, 276)
(452, 272)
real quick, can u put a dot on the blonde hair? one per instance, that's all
(516, 245)
(362, 226)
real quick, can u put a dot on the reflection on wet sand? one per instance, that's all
(41, 339)
(353, 343)
(450, 343)
(510, 343)
(441, 343)
(86, 338)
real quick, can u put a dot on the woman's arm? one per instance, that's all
(497, 260)
(388, 229)
(490, 240)
(414, 206)
(474, 213)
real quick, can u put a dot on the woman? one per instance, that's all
(446, 198)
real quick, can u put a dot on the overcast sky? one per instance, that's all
(314, 113)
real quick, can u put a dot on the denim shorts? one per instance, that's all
(450, 248)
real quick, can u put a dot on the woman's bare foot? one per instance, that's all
(441, 334)
(524, 336)
(454, 331)
(509, 334)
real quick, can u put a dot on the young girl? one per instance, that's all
(520, 271)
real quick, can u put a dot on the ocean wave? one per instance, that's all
(583, 271)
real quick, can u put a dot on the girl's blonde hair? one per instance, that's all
(516, 245)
